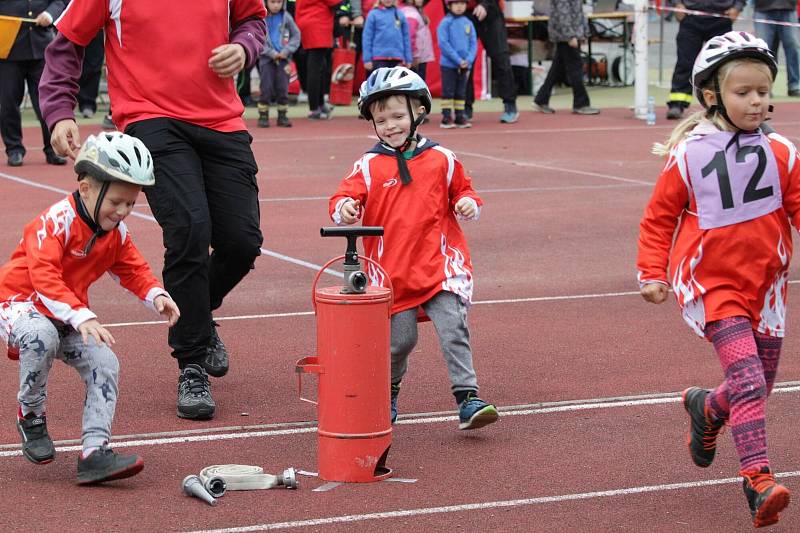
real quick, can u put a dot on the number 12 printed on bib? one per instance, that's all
(733, 183)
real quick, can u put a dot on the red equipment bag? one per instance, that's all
(342, 72)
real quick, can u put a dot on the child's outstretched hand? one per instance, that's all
(466, 208)
(168, 308)
(92, 327)
(655, 293)
(350, 211)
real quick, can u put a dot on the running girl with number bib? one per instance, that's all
(727, 194)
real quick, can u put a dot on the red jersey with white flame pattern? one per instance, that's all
(50, 271)
(423, 248)
(739, 269)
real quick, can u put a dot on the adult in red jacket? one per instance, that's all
(315, 20)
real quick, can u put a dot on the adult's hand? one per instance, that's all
(733, 13)
(479, 12)
(358, 21)
(573, 42)
(44, 19)
(66, 138)
(227, 60)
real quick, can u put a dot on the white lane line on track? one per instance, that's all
(297, 428)
(477, 302)
(482, 506)
(264, 251)
(479, 191)
(555, 169)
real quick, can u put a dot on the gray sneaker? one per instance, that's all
(106, 465)
(216, 361)
(37, 447)
(194, 394)
(586, 110)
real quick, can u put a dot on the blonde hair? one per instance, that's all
(684, 127)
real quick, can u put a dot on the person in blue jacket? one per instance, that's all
(386, 42)
(458, 45)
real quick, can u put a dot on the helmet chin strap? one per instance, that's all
(402, 167)
(98, 229)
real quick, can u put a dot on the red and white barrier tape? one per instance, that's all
(721, 15)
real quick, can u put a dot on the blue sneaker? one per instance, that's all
(395, 393)
(474, 413)
(510, 114)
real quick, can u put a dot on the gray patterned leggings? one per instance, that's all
(449, 316)
(40, 341)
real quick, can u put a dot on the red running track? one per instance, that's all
(587, 374)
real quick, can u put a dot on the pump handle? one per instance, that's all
(356, 231)
(351, 255)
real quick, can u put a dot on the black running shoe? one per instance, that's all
(37, 447)
(194, 394)
(105, 465)
(394, 392)
(703, 430)
(216, 361)
(765, 497)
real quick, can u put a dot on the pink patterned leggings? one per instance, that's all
(750, 362)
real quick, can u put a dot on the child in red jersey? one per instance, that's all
(44, 302)
(727, 195)
(416, 190)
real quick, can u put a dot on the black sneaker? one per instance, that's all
(105, 465)
(765, 497)
(674, 112)
(394, 392)
(703, 430)
(194, 394)
(216, 361)
(37, 447)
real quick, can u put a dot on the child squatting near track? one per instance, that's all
(44, 300)
(727, 194)
(416, 189)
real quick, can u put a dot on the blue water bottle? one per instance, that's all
(651, 111)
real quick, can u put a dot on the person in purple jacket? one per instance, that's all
(458, 45)
(172, 86)
(386, 42)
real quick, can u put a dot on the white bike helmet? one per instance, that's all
(389, 81)
(723, 48)
(114, 156)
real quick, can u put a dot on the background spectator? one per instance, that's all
(386, 42)
(315, 20)
(283, 39)
(23, 66)
(773, 34)
(694, 30)
(419, 32)
(566, 28)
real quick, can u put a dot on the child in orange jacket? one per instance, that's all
(720, 219)
(44, 301)
(416, 190)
